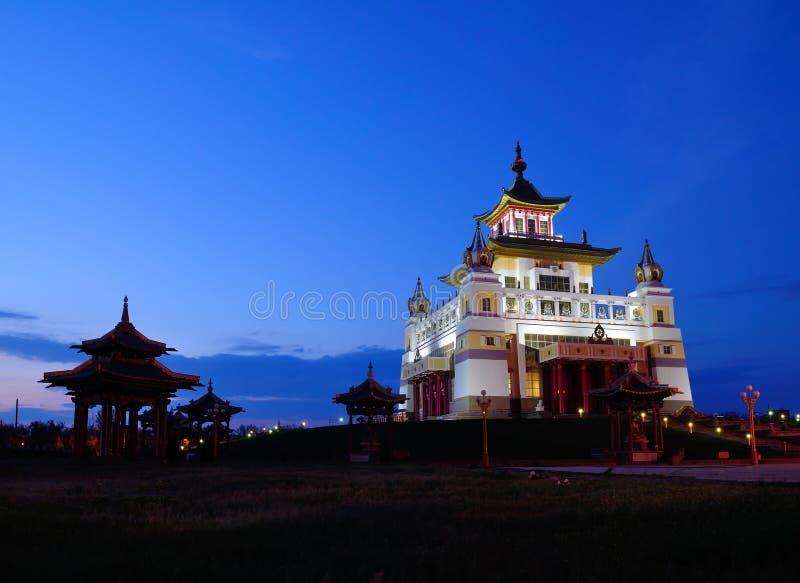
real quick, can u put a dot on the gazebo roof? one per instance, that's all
(200, 407)
(141, 374)
(124, 338)
(369, 394)
(634, 388)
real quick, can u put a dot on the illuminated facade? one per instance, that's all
(526, 325)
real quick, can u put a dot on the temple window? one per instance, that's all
(531, 225)
(666, 349)
(543, 227)
(489, 340)
(518, 224)
(526, 282)
(660, 316)
(486, 305)
(554, 283)
(583, 287)
(510, 281)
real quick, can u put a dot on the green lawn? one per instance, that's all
(412, 522)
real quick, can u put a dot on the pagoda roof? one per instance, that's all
(548, 249)
(369, 393)
(634, 388)
(200, 407)
(124, 338)
(146, 375)
(522, 193)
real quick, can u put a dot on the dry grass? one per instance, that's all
(409, 522)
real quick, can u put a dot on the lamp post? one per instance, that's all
(750, 397)
(216, 411)
(691, 427)
(484, 402)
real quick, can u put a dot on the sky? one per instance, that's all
(248, 172)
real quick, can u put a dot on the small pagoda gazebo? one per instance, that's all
(209, 408)
(122, 375)
(370, 399)
(632, 395)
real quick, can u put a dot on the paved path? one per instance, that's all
(734, 473)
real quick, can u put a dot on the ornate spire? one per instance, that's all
(210, 385)
(125, 318)
(418, 303)
(519, 164)
(647, 271)
(478, 254)
(369, 371)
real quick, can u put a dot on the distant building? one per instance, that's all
(527, 326)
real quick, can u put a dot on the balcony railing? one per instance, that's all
(540, 236)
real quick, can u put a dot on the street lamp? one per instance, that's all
(484, 402)
(691, 427)
(749, 436)
(719, 429)
(750, 397)
(665, 419)
(580, 412)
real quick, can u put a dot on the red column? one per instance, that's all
(585, 386)
(561, 388)
(417, 404)
(606, 373)
(553, 387)
(424, 399)
(440, 391)
(446, 381)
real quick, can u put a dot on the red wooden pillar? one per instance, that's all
(553, 388)
(606, 373)
(446, 394)
(424, 399)
(417, 404)
(561, 388)
(79, 428)
(630, 435)
(585, 387)
(611, 418)
(440, 391)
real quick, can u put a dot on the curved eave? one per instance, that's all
(506, 200)
(541, 249)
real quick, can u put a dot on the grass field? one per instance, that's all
(410, 522)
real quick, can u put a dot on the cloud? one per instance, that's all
(34, 347)
(263, 398)
(8, 315)
(248, 346)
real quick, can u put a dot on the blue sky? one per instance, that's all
(191, 155)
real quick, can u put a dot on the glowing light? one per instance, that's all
(202, 441)
(642, 415)
(691, 427)
(341, 419)
(270, 431)
(770, 413)
(580, 412)
(783, 416)
(719, 430)
(303, 423)
(275, 428)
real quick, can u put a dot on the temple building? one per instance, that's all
(122, 376)
(525, 322)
